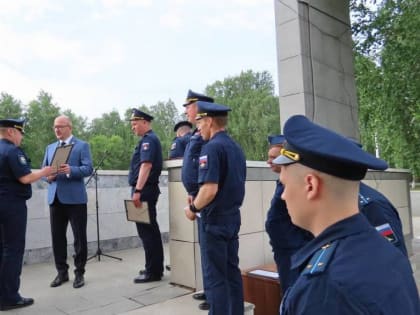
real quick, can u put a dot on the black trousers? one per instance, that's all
(60, 216)
(152, 242)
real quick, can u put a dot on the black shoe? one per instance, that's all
(79, 281)
(142, 272)
(59, 280)
(147, 278)
(199, 296)
(21, 303)
(204, 306)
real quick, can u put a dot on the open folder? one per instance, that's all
(61, 156)
(140, 215)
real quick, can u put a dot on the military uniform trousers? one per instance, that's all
(60, 215)
(200, 229)
(13, 216)
(219, 243)
(152, 241)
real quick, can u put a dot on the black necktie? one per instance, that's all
(62, 143)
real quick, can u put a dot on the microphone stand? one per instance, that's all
(95, 174)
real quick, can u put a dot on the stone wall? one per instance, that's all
(114, 230)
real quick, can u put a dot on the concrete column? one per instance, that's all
(315, 62)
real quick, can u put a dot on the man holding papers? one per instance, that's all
(143, 177)
(67, 198)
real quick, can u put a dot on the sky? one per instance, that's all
(96, 56)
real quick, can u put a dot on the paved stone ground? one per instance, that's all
(110, 289)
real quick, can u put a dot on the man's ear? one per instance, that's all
(312, 186)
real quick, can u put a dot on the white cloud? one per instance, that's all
(27, 10)
(171, 19)
(119, 4)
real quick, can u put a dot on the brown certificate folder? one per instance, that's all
(134, 214)
(61, 156)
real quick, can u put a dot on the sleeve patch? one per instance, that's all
(145, 146)
(203, 161)
(173, 146)
(22, 160)
(386, 231)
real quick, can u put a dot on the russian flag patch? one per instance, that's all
(203, 161)
(386, 231)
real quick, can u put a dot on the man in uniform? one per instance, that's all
(15, 179)
(285, 237)
(143, 177)
(67, 198)
(222, 174)
(190, 173)
(183, 135)
(348, 268)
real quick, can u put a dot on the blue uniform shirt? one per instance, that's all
(178, 146)
(285, 237)
(13, 164)
(382, 215)
(337, 270)
(190, 163)
(147, 150)
(223, 162)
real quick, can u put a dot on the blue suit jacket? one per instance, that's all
(70, 189)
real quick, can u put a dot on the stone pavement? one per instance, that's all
(110, 289)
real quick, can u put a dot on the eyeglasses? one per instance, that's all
(60, 127)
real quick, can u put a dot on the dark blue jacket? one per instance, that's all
(190, 163)
(382, 215)
(351, 269)
(147, 150)
(223, 162)
(13, 164)
(178, 146)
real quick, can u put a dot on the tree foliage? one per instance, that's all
(387, 45)
(255, 110)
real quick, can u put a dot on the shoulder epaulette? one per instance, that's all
(320, 259)
(363, 200)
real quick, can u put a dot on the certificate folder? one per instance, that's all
(140, 215)
(61, 156)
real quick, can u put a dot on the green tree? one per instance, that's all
(165, 115)
(255, 110)
(110, 153)
(40, 118)
(10, 107)
(388, 35)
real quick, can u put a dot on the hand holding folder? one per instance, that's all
(140, 215)
(61, 156)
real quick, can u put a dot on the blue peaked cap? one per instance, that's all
(182, 123)
(137, 114)
(206, 109)
(13, 123)
(193, 97)
(276, 139)
(325, 150)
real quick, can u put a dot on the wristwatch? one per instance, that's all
(137, 190)
(193, 208)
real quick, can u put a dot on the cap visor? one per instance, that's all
(283, 160)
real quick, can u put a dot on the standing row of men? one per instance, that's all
(332, 236)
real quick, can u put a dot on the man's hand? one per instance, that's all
(64, 169)
(189, 214)
(136, 199)
(190, 199)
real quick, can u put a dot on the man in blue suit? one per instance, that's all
(67, 198)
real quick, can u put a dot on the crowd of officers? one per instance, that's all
(337, 243)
